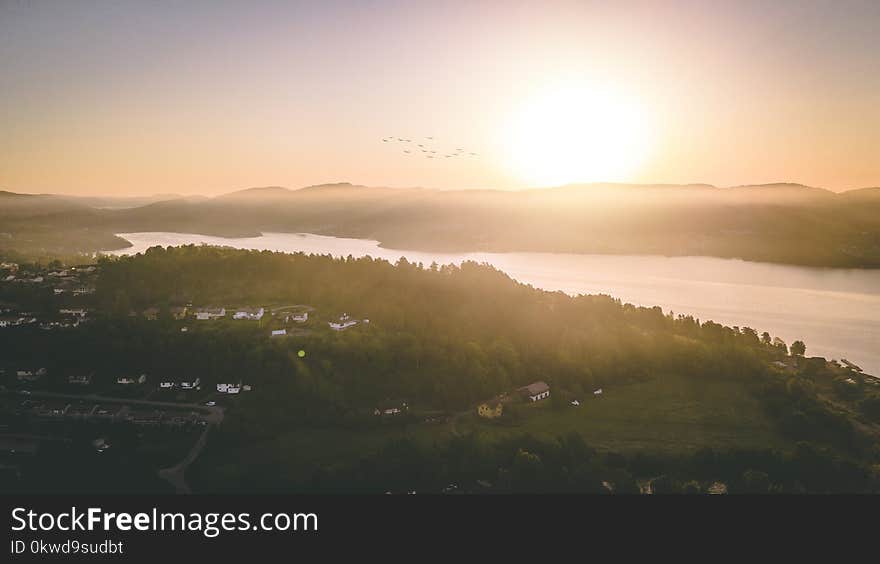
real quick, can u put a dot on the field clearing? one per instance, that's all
(668, 414)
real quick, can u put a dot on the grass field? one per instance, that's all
(668, 414)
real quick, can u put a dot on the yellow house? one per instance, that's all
(490, 409)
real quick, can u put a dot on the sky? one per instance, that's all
(190, 96)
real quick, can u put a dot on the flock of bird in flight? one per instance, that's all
(414, 148)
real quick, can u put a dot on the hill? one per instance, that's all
(689, 400)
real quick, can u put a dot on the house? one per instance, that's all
(253, 313)
(207, 313)
(490, 409)
(298, 317)
(345, 321)
(14, 321)
(77, 312)
(128, 381)
(575, 403)
(178, 312)
(279, 333)
(229, 388)
(190, 384)
(167, 385)
(391, 409)
(80, 379)
(30, 375)
(151, 313)
(536, 391)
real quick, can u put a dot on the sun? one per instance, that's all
(576, 133)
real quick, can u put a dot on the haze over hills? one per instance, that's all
(780, 222)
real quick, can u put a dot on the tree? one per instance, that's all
(780, 345)
(798, 348)
(525, 473)
(755, 482)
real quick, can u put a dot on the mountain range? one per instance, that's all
(782, 222)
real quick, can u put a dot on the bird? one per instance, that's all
(406, 151)
(431, 138)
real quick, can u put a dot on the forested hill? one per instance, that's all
(785, 223)
(442, 340)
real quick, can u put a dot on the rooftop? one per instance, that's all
(536, 388)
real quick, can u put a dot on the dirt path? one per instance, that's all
(176, 474)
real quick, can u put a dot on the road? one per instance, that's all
(304, 307)
(175, 475)
(214, 414)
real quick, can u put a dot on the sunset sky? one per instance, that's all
(186, 96)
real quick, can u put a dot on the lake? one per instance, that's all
(836, 312)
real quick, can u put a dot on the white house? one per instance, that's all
(207, 313)
(78, 312)
(254, 313)
(128, 381)
(80, 379)
(189, 385)
(167, 385)
(229, 388)
(536, 391)
(30, 375)
(299, 317)
(598, 392)
(279, 332)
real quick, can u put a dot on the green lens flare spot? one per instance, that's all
(301, 353)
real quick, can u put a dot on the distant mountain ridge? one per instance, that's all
(778, 222)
